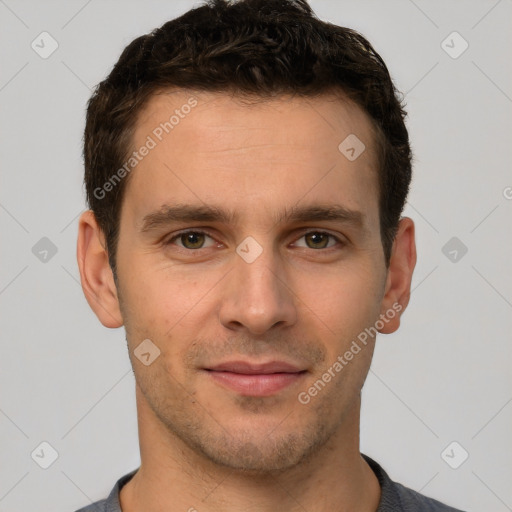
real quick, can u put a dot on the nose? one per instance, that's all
(257, 297)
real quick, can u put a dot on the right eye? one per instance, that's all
(191, 240)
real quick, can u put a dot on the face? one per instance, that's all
(250, 255)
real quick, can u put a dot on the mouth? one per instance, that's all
(253, 379)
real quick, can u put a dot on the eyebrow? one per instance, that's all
(168, 214)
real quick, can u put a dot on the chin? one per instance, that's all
(250, 452)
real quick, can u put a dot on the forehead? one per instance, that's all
(322, 118)
(214, 148)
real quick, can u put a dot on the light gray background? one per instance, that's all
(443, 377)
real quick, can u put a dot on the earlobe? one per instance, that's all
(95, 272)
(398, 283)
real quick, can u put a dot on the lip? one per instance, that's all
(255, 379)
(247, 368)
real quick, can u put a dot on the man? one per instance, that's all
(246, 166)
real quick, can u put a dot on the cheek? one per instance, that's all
(167, 305)
(155, 294)
(344, 299)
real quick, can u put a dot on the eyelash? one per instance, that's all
(200, 232)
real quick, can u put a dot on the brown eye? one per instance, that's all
(192, 240)
(316, 240)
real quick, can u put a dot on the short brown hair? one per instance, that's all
(251, 47)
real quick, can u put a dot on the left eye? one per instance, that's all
(317, 240)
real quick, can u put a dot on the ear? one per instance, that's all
(95, 272)
(398, 283)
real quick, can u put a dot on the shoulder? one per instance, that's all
(396, 497)
(99, 506)
(414, 501)
(110, 504)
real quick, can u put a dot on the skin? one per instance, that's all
(303, 300)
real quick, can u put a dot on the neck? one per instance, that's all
(172, 475)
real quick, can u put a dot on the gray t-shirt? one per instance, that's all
(394, 497)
